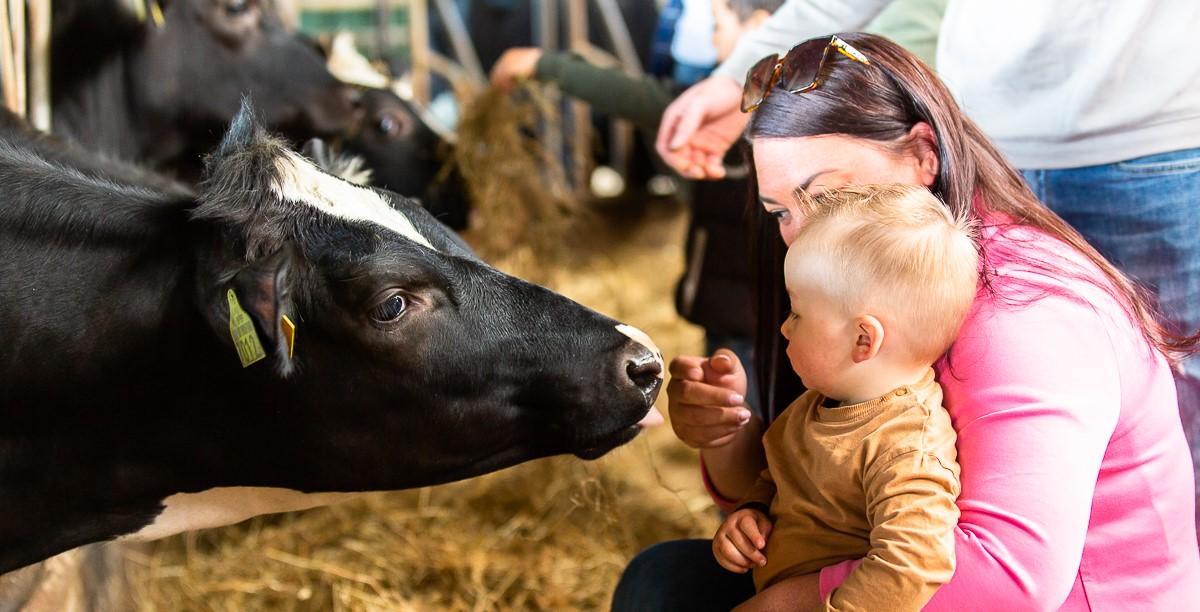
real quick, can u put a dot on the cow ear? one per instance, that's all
(263, 291)
(243, 130)
(318, 153)
(350, 168)
(316, 150)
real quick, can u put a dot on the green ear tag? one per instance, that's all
(241, 327)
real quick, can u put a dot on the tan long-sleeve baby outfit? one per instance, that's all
(875, 481)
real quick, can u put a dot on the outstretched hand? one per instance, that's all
(516, 64)
(699, 127)
(706, 399)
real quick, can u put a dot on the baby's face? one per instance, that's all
(820, 340)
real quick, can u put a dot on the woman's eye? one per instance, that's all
(779, 215)
(236, 7)
(391, 309)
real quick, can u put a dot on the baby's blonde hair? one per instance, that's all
(894, 251)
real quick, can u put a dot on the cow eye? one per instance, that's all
(387, 125)
(393, 124)
(391, 309)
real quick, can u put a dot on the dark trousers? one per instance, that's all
(680, 575)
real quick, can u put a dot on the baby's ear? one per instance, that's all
(868, 338)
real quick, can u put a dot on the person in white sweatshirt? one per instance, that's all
(1097, 102)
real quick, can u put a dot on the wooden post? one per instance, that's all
(418, 48)
(8, 70)
(39, 64)
(17, 23)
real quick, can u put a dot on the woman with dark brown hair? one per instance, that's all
(1077, 486)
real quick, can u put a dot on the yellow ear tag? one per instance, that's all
(289, 334)
(156, 13)
(245, 338)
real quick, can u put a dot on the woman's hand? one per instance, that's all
(699, 127)
(740, 540)
(516, 64)
(706, 399)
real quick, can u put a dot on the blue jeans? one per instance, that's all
(686, 75)
(680, 575)
(1144, 215)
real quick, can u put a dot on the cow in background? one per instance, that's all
(401, 152)
(160, 92)
(278, 340)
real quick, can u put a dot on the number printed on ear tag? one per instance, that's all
(245, 338)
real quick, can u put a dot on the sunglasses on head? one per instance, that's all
(800, 69)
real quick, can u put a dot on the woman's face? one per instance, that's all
(819, 163)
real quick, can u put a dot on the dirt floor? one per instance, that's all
(548, 535)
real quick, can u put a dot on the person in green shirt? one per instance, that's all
(913, 24)
(611, 91)
(715, 290)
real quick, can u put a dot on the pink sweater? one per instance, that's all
(1077, 490)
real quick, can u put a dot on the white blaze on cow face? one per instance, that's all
(641, 338)
(228, 505)
(300, 182)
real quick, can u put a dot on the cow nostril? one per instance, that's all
(645, 373)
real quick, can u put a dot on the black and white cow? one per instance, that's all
(405, 155)
(160, 92)
(281, 339)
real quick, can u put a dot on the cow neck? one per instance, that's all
(154, 404)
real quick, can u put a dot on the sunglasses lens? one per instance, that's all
(758, 81)
(802, 65)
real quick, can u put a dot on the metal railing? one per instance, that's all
(546, 18)
(465, 73)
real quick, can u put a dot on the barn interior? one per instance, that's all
(580, 208)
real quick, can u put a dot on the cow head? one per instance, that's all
(191, 71)
(412, 362)
(405, 155)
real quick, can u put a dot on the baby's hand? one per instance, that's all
(740, 540)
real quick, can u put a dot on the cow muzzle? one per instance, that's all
(644, 366)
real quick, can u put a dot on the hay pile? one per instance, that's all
(522, 204)
(548, 535)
